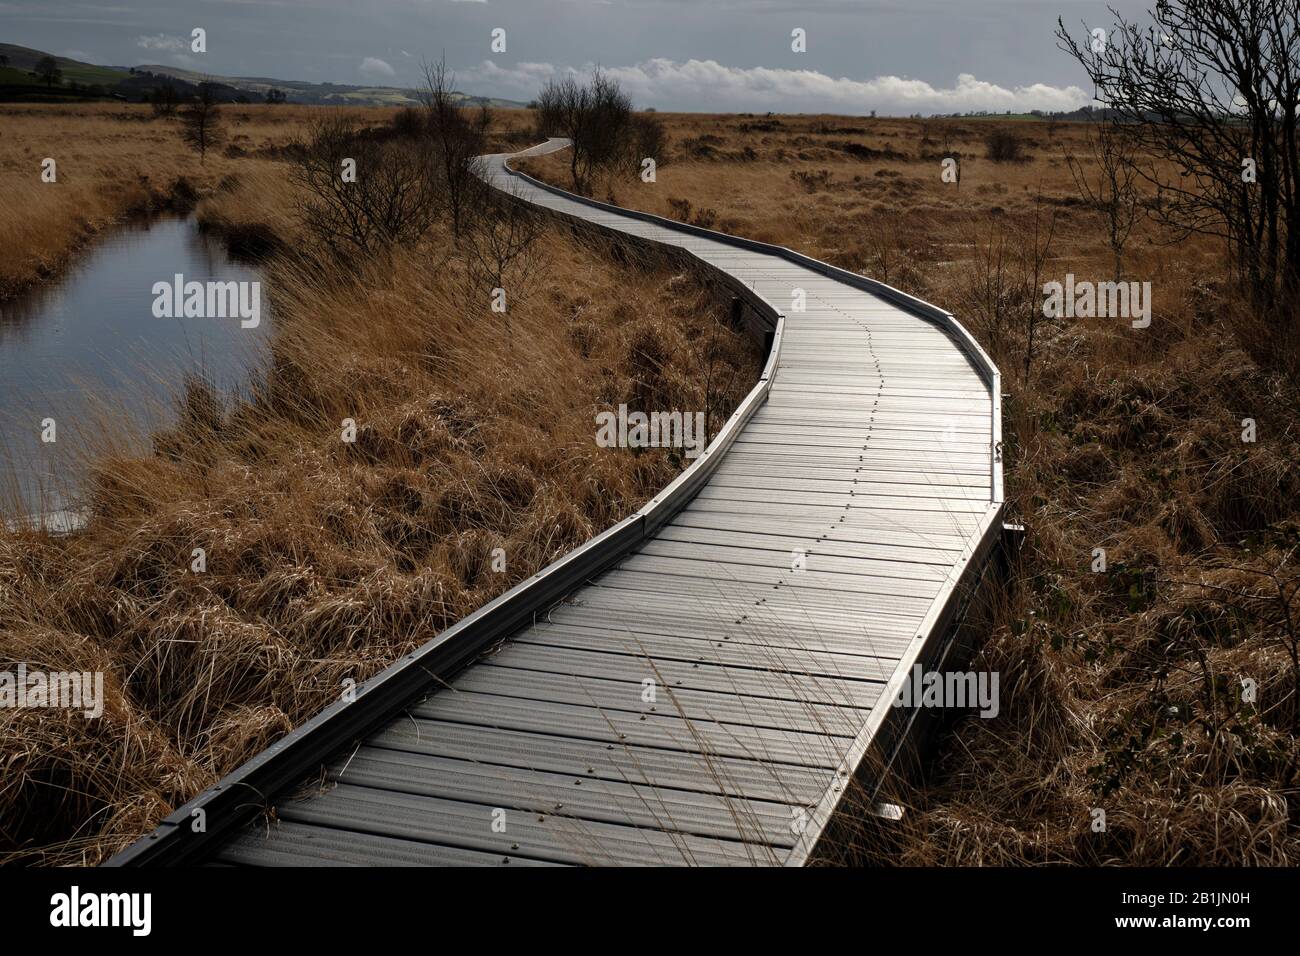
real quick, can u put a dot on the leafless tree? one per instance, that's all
(883, 246)
(1211, 89)
(458, 135)
(201, 121)
(596, 117)
(1003, 285)
(1033, 264)
(1107, 178)
(393, 196)
(500, 241)
(163, 100)
(991, 287)
(47, 68)
(647, 138)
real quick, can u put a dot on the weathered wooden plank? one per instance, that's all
(744, 601)
(765, 637)
(547, 838)
(799, 623)
(753, 682)
(779, 572)
(668, 731)
(285, 843)
(853, 536)
(807, 553)
(812, 538)
(743, 654)
(749, 587)
(610, 695)
(539, 792)
(584, 759)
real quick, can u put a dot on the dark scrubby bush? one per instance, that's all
(596, 117)
(1004, 146)
(393, 199)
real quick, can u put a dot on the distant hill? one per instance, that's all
(138, 83)
(299, 91)
(18, 80)
(24, 59)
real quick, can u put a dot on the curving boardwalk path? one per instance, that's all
(695, 698)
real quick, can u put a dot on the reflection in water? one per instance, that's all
(88, 353)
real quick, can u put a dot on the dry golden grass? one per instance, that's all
(1120, 690)
(113, 162)
(328, 560)
(866, 194)
(118, 161)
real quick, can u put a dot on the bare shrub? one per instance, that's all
(1112, 186)
(163, 100)
(1034, 255)
(1000, 292)
(883, 247)
(683, 211)
(1209, 88)
(647, 139)
(500, 242)
(681, 208)
(459, 137)
(201, 122)
(1004, 146)
(409, 122)
(595, 117)
(394, 197)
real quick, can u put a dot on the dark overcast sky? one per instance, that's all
(896, 56)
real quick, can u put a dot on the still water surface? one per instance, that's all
(88, 352)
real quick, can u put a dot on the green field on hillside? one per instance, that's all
(14, 77)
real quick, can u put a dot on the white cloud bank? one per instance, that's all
(374, 68)
(708, 85)
(162, 41)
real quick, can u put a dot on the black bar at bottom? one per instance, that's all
(979, 908)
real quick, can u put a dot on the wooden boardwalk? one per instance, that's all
(701, 694)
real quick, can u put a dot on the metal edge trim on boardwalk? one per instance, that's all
(241, 794)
